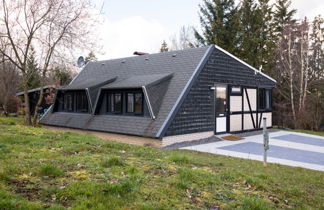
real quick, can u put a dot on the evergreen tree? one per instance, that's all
(33, 71)
(90, 57)
(220, 24)
(267, 35)
(283, 16)
(316, 62)
(250, 29)
(62, 76)
(164, 47)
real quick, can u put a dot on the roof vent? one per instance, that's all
(140, 53)
(146, 59)
(174, 55)
(102, 64)
(123, 61)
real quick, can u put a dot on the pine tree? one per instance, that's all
(164, 47)
(250, 36)
(90, 57)
(33, 71)
(317, 49)
(220, 24)
(267, 35)
(283, 16)
(62, 76)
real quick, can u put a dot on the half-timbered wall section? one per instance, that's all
(197, 112)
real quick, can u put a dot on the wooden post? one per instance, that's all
(265, 142)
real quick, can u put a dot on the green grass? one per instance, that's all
(318, 133)
(56, 170)
(50, 170)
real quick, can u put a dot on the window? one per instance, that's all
(138, 103)
(68, 102)
(114, 103)
(134, 103)
(220, 101)
(236, 90)
(81, 102)
(264, 99)
(130, 102)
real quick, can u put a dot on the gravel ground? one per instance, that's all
(253, 133)
(214, 139)
(193, 143)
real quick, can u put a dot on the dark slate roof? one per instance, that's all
(168, 75)
(35, 89)
(181, 64)
(137, 81)
(89, 83)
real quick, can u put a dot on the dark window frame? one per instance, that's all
(134, 103)
(262, 99)
(109, 107)
(236, 93)
(70, 107)
(85, 102)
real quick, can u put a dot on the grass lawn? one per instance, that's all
(56, 170)
(318, 133)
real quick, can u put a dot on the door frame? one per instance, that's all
(227, 108)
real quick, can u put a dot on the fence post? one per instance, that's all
(265, 142)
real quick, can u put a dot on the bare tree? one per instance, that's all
(184, 40)
(53, 27)
(299, 63)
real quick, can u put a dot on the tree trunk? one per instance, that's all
(291, 74)
(28, 120)
(40, 99)
(301, 84)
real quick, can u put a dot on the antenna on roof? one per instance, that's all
(80, 61)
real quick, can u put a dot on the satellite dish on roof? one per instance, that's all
(80, 61)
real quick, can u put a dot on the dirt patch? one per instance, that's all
(134, 140)
(26, 188)
(232, 138)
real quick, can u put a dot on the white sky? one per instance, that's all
(142, 25)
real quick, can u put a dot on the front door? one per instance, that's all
(221, 108)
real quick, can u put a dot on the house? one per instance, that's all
(172, 96)
(33, 94)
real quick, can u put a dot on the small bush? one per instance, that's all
(50, 170)
(180, 159)
(114, 161)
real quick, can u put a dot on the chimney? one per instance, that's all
(140, 53)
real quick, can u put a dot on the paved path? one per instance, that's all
(287, 148)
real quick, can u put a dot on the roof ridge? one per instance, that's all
(149, 55)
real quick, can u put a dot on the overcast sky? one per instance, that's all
(142, 25)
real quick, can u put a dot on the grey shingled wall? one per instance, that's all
(196, 113)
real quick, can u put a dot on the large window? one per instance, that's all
(114, 103)
(125, 102)
(68, 102)
(264, 99)
(75, 101)
(81, 102)
(134, 103)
